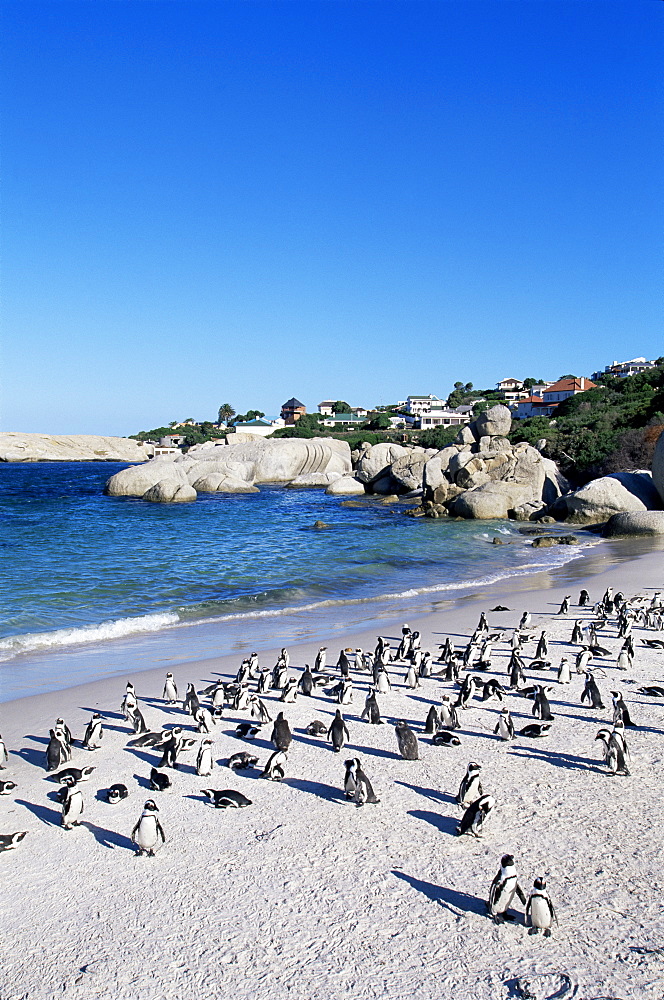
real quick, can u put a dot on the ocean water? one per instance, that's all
(89, 580)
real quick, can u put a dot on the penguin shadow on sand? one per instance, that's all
(51, 817)
(31, 755)
(162, 706)
(554, 757)
(429, 793)
(372, 751)
(143, 781)
(316, 788)
(108, 838)
(148, 758)
(451, 899)
(444, 824)
(105, 714)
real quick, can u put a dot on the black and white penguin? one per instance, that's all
(94, 732)
(281, 733)
(204, 759)
(652, 691)
(150, 739)
(11, 840)
(363, 789)
(407, 741)
(138, 722)
(411, 678)
(204, 720)
(564, 673)
(226, 798)
(371, 710)
(129, 701)
(476, 816)
(564, 607)
(317, 729)
(350, 783)
(516, 671)
(159, 782)
(259, 710)
(621, 714)
(338, 732)
(263, 684)
(72, 804)
(170, 692)
(7, 787)
(583, 658)
(4, 756)
(526, 619)
(148, 832)
(577, 632)
(584, 599)
(432, 721)
(445, 738)
(343, 663)
(504, 727)
(468, 689)
(492, 689)
(247, 731)
(73, 774)
(191, 703)
(542, 646)
(306, 682)
(449, 718)
(503, 889)
(615, 751)
(116, 793)
(624, 661)
(241, 697)
(539, 909)
(275, 769)
(321, 659)
(241, 761)
(289, 690)
(541, 708)
(591, 692)
(56, 752)
(535, 730)
(382, 681)
(470, 788)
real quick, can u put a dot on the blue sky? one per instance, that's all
(242, 201)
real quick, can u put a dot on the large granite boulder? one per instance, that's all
(658, 466)
(169, 491)
(598, 500)
(376, 460)
(17, 447)
(492, 500)
(309, 479)
(642, 522)
(346, 486)
(494, 422)
(555, 484)
(281, 460)
(218, 482)
(138, 479)
(408, 471)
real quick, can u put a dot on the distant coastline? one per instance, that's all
(18, 447)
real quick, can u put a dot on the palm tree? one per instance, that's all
(226, 411)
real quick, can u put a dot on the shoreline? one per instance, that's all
(302, 893)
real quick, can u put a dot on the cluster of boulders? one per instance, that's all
(18, 447)
(481, 475)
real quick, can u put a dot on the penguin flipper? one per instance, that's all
(160, 832)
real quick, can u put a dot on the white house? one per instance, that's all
(260, 427)
(623, 369)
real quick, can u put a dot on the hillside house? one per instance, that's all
(292, 410)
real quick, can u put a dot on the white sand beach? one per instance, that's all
(302, 894)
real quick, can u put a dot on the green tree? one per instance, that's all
(341, 406)
(226, 413)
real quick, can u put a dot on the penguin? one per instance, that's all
(541, 708)
(129, 702)
(316, 728)
(350, 782)
(137, 721)
(150, 739)
(275, 768)
(382, 681)
(584, 599)
(591, 692)
(94, 732)
(526, 619)
(583, 658)
(72, 805)
(263, 682)
(204, 721)
(4, 756)
(306, 682)
(259, 710)
(63, 733)
(242, 697)
(338, 732)
(621, 714)
(577, 632)
(624, 661)
(345, 692)
(148, 831)
(517, 675)
(542, 646)
(191, 703)
(11, 840)
(371, 711)
(226, 798)
(476, 816)
(7, 787)
(539, 909)
(564, 607)
(505, 727)
(470, 788)
(159, 782)
(407, 741)
(241, 761)
(503, 889)
(321, 659)
(204, 761)
(246, 731)
(363, 789)
(444, 738)
(116, 793)
(535, 730)
(343, 663)
(56, 752)
(449, 718)
(431, 724)
(74, 773)
(614, 752)
(468, 689)
(281, 734)
(170, 692)
(492, 689)
(652, 691)
(289, 691)
(564, 674)
(411, 678)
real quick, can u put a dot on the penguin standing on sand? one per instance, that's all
(591, 692)
(259, 710)
(503, 889)
(382, 681)
(72, 804)
(129, 702)
(338, 732)
(148, 832)
(281, 733)
(542, 647)
(56, 752)
(4, 756)
(449, 718)
(306, 682)
(191, 703)
(615, 751)
(363, 788)
(170, 693)
(505, 726)
(275, 769)
(584, 599)
(526, 619)
(321, 660)
(470, 788)
(407, 741)
(476, 816)
(63, 733)
(564, 673)
(541, 709)
(621, 716)
(431, 724)
(204, 762)
(577, 632)
(350, 782)
(517, 675)
(204, 720)
(371, 711)
(564, 607)
(170, 748)
(539, 909)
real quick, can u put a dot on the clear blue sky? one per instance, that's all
(243, 201)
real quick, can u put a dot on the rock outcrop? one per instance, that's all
(644, 522)
(620, 492)
(16, 447)
(658, 466)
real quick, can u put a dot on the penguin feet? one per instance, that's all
(532, 930)
(547, 932)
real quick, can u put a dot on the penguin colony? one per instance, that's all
(602, 644)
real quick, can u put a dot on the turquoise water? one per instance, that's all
(80, 568)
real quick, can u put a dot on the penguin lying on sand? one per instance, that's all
(116, 793)
(241, 761)
(226, 798)
(10, 840)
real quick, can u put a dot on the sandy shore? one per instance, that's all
(304, 895)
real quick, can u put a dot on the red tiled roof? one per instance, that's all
(570, 385)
